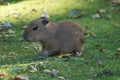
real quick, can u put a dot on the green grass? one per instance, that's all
(16, 55)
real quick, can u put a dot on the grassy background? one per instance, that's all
(16, 55)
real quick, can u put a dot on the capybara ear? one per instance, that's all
(44, 20)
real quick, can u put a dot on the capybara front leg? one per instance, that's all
(43, 54)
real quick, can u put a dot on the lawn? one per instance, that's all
(101, 55)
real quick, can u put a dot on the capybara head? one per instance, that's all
(34, 29)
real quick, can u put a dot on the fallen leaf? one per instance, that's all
(61, 77)
(16, 15)
(117, 25)
(46, 71)
(24, 27)
(76, 14)
(7, 24)
(54, 73)
(12, 53)
(109, 16)
(101, 11)
(117, 54)
(67, 55)
(99, 62)
(89, 32)
(44, 14)
(96, 16)
(26, 47)
(32, 71)
(38, 48)
(32, 68)
(21, 78)
(62, 55)
(34, 10)
(2, 34)
(118, 50)
(3, 74)
(12, 35)
(93, 34)
(10, 31)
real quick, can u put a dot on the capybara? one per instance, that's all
(62, 37)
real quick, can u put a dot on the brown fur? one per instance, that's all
(61, 37)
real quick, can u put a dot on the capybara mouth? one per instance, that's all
(26, 39)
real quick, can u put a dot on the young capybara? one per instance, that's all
(62, 37)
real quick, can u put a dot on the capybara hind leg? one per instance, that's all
(79, 53)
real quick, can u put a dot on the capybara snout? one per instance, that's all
(63, 37)
(26, 35)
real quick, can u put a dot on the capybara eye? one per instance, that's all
(35, 28)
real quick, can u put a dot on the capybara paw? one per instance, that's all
(78, 54)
